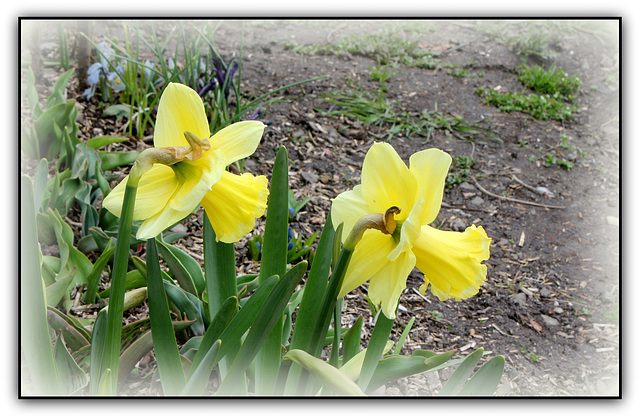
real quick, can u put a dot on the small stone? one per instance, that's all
(558, 310)
(466, 186)
(310, 177)
(519, 299)
(545, 292)
(458, 225)
(613, 221)
(477, 201)
(549, 321)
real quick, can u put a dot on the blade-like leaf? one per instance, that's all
(185, 269)
(351, 343)
(103, 140)
(325, 373)
(274, 262)
(461, 374)
(221, 320)
(269, 314)
(200, 377)
(72, 377)
(486, 380)
(164, 340)
(72, 336)
(34, 330)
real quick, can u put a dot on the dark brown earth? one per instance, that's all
(550, 304)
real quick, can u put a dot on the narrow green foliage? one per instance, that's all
(351, 341)
(270, 314)
(385, 48)
(540, 106)
(274, 261)
(164, 341)
(35, 341)
(376, 347)
(552, 82)
(366, 108)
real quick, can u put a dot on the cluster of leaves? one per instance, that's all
(386, 48)
(526, 39)
(552, 82)
(129, 88)
(363, 107)
(460, 171)
(540, 106)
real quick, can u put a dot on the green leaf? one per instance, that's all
(58, 95)
(32, 94)
(376, 346)
(113, 159)
(461, 374)
(218, 325)
(274, 262)
(246, 317)
(59, 115)
(269, 314)
(200, 377)
(404, 335)
(72, 377)
(351, 342)
(164, 340)
(34, 329)
(486, 380)
(274, 253)
(327, 374)
(188, 304)
(94, 276)
(133, 353)
(59, 289)
(75, 340)
(98, 352)
(353, 367)
(184, 268)
(70, 325)
(103, 140)
(40, 184)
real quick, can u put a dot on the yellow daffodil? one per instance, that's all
(409, 198)
(188, 168)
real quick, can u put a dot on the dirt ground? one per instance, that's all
(550, 304)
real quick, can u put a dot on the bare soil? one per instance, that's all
(551, 300)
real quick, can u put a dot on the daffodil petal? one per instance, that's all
(368, 258)
(389, 282)
(452, 261)
(180, 109)
(238, 140)
(159, 222)
(430, 168)
(234, 203)
(155, 189)
(387, 181)
(348, 207)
